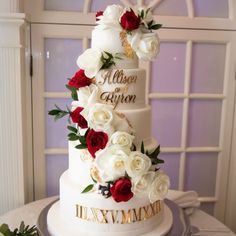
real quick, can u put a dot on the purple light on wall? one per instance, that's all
(167, 121)
(171, 167)
(204, 123)
(68, 5)
(55, 166)
(172, 8)
(208, 68)
(211, 8)
(200, 173)
(98, 5)
(167, 74)
(60, 62)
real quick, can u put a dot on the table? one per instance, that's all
(208, 225)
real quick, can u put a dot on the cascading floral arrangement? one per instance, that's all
(118, 169)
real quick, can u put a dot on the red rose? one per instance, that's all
(99, 13)
(78, 118)
(96, 141)
(121, 190)
(129, 21)
(79, 80)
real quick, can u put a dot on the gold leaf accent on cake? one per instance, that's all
(94, 172)
(129, 52)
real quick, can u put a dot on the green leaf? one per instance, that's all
(73, 92)
(73, 129)
(148, 10)
(142, 14)
(4, 230)
(82, 140)
(93, 179)
(81, 146)
(73, 137)
(142, 148)
(88, 188)
(54, 112)
(156, 26)
(150, 23)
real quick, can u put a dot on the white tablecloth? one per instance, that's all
(208, 225)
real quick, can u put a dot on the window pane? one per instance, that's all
(171, 167)
(55, 166)
(167, 121)
(56, 131)
(204, 123)
(98, 5)
(200, 173)
(172, 8)
(60, 62)
(66, 5)
(168, 69)
(208, 68)
(211, 8)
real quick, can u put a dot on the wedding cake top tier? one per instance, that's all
(109, 40)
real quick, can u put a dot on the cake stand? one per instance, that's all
(173, 214)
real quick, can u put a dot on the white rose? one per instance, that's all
(145, 45)
(137, 164)
(123, 139)
(88, 95)
(100, 117)
(159, 187)
(90, 62)
(110, 17)
(111, 163)
(141, 185)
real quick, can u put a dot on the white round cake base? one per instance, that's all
(57, 227)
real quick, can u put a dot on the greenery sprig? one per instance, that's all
(74, 94)
(58, 113)
(152, 155)
(108, 59)
(23, 230)
(151, 25)
(75, 135)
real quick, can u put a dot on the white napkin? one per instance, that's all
(186, 200)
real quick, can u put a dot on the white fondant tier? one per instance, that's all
(122, 88)
(117, 215)
(140, 120)
(57, 226)
(109, 40)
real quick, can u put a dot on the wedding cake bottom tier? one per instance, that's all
(93, 214)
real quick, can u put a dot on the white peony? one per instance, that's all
(159, 187)
(137, 164)
(111, 163)
(142, 184)
(100, 117)
(90, 62)
(110, 17)
(87, 96)
(123, 139)
(146, 45)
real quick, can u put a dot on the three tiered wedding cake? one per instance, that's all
(114, 185)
